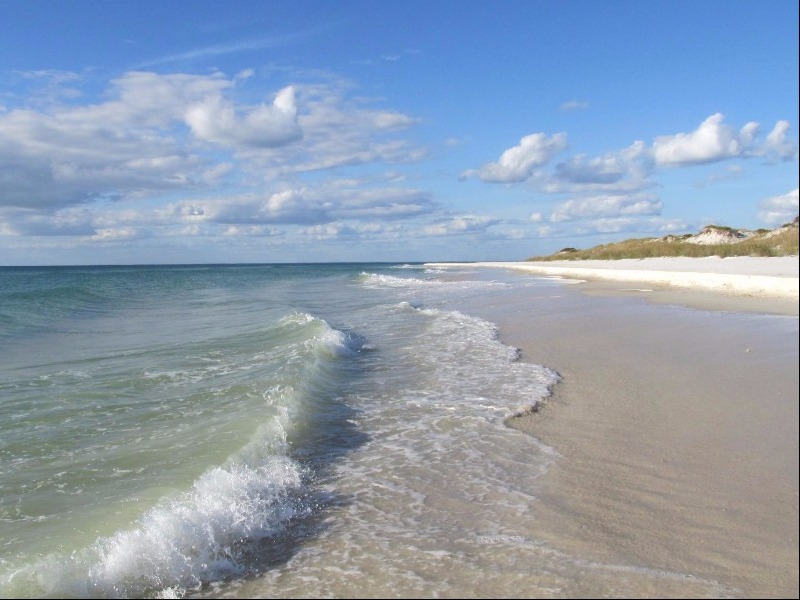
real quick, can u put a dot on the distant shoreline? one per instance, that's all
(753, 278)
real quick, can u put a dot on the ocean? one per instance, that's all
(276, 430)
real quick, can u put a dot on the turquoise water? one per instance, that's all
(181, 430)
(334, 430)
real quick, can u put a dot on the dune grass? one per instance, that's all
(778, 243)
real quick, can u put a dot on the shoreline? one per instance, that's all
(750, 284)
(676, 430)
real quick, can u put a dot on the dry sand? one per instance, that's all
(677, 431)
(741, 283)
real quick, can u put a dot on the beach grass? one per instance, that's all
(779, 242)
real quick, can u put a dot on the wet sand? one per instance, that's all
(677, 429)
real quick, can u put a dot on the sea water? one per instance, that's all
(325, 430)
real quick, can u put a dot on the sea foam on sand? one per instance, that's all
(770, 277)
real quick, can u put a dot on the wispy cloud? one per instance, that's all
(574, 105)
(386, 58)
(246, 45)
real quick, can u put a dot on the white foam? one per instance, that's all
(197, 537)
(496, 381)
(382, 280)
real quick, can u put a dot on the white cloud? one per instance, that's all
(338, 131)
(115, 234)
(574, 105)
(103, 170)
(518, 163)
(777, 143)
(384, 203)
(244, 45)
(49, 85)
(630, 170)
(711, 141)
(265, 126)
(779, 209)
(655, 226)
(252, 231)
(328, 231)
(70, 222)
(80, 169)
(462, 224)
(714, 141)
(246, 214)
(386, 120)
(606, 206)
(124, 146)
(303, 206)
(572, 233)
(287, 207)
(144, 99)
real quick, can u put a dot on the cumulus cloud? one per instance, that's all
(518, 163)
(714, 140)
(606, 206)
(630, 169)
(265, 126)
(711, 141)
(777, 210)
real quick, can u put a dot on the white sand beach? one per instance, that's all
(751, 284)
(676, 428)
(769, 277)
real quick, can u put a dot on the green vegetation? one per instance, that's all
(779, 242)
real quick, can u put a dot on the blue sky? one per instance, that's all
(205, 131)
